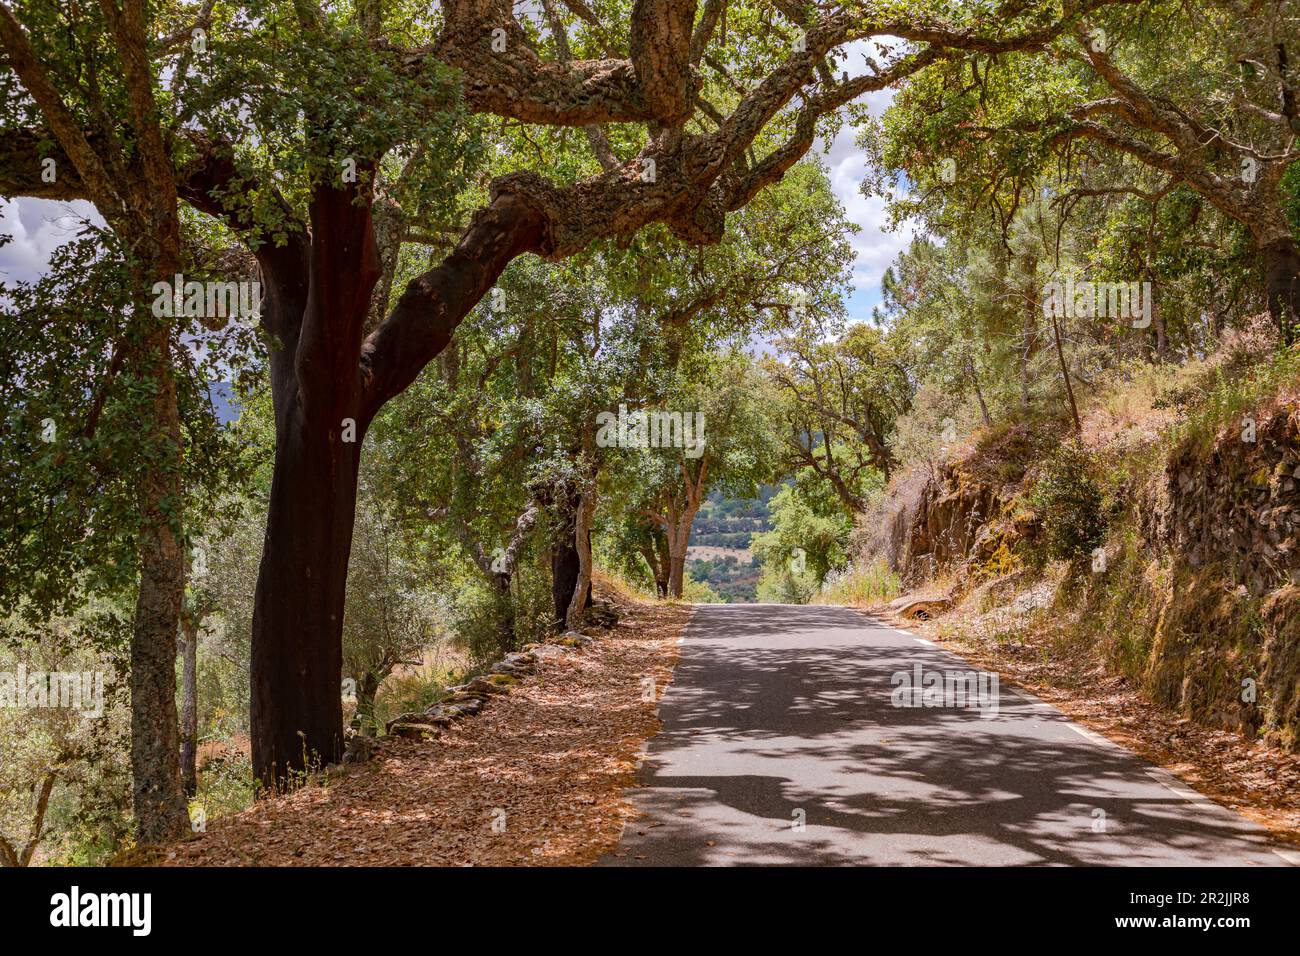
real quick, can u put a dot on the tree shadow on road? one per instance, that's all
(778, 718)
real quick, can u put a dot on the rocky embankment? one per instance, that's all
(1198, 599)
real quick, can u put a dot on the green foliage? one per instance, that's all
(808, 531)
(225, 786)
(1069, 504)
(698, 592)
(72, 453)
(88, 817)
(780, 584)
(809, 538)
(1229, 394)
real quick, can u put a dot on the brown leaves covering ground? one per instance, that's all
(555, 754)
(1258, 781)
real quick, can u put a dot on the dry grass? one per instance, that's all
(1025, 642)
(551, 759)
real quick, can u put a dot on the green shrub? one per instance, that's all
(225, 786)
(1069, 504)
(781, 585)
(699, 592)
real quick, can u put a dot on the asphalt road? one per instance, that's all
(782, 744)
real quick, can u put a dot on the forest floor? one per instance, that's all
(537, 778)
(1259, 781)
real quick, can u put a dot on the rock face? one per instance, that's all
(946, 520)
(1226, 648)
(1237, 505)
(1202, 602)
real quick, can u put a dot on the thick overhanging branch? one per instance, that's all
(704, 28)
(1229, 199)
(206, 182)
(502, 75)
(84, 159)
(433, 304)
(596, 137)
(660, 47)
(25, 172)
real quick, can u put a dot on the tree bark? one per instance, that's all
(678, 525)
(581, 599)
(1282, 285)
(566, 561)
(158, 799)
(655, 552)
(297, 655)
(565, 568)
(1065, 376)
(505, 611)
(367, 688)
(679, 538)
(189, 703)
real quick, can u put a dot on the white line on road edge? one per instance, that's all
(1096, 738)
(1176, 787)
(1033, 701)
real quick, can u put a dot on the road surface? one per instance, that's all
(784, 742)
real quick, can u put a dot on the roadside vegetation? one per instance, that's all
(559, 322)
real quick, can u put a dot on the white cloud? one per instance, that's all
(874, 248)
(38, 227)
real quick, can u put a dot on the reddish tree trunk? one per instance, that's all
(323, 375)
(678, 540)
(297, 658)
(317, 305)
(189, 703)
(566, 567)
(581, 599)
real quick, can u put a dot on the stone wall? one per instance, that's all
(1238, 505)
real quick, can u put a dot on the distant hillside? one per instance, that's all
(719, 552)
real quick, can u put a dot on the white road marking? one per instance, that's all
(1096, 738)
(1159, 775)
(1033, 701)
(1176, 787)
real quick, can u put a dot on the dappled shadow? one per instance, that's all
(782, 715)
